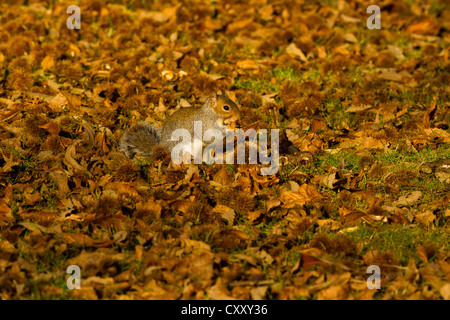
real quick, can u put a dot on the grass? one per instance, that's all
(400, 240)
(400, 163)
(287, 73)
(254, 85)
(405, 159)
(280, 74)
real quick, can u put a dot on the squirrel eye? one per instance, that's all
(226, 107)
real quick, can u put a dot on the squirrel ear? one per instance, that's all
(213, 99)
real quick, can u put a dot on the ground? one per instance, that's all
(363, 183)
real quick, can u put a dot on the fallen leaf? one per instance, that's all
(426, 26)
(295, 51)
(422, 253)
(413, 197)
(304, 195)
(445, 291)
(218, 291)
(333, 293)
(78, 239)
(429, 114)
(350, 37)
(69, 157)
(390, 75)
(93, 262)
(358, 108)
(225, 212)
(259, 293)
(246, 258)
(427, 217)
(85, 293)
(247, 64)
(48, 63)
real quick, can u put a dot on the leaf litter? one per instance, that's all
(151, 229)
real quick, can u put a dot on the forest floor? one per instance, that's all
(363, 184)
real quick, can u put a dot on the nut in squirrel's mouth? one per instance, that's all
(232, 123)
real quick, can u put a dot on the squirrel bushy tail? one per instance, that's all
(140, 139)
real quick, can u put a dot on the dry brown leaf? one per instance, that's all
(305, 194)
(422, 253)
(153, 291)
(329, 223)
(139, 252)
(85, 293)
(427, 27)
(359, 108)
(5, 212)
(447, 213)
(239, 24)
(310, 258)
(120, 236)
(51, 128)
(74, 101)
(246, 258)
(247, 64)
(332, 180)
(321, 52)
(59, 177)
(8, 194)
(155, 16)
(10, 162)
(78, 239)
(191, 172)
(218, 291)
(295, 51)
(222, 177)
(265, 257)
(181, 205)
(93, 262)
(413, 197)
(333, 293)
(445, 291)
(350, 37)
(48, 63)
(6, 246)
(70, 159)
(126, 189)
(259, 293)
(225, 212)
(254, 215)
(430, 114)
(95, 281)
(427, 217)
(34, 226)
(390, 75)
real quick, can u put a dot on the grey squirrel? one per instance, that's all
(218, 112)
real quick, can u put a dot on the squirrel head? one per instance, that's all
(225, 108)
